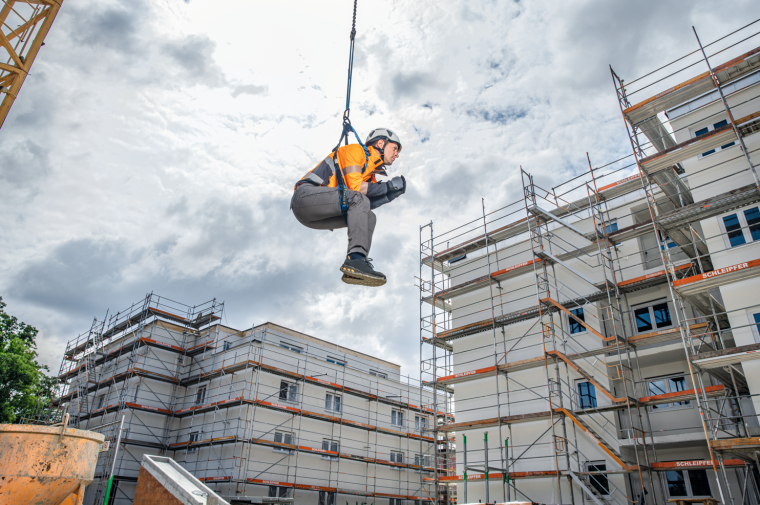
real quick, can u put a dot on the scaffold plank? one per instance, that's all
(687, 149)
(694, 87)
(665, 466)
(679, 396)
(494, 476)
(736, 444)
(307, 487)
(725, 357)
(481, 282)
(720, 277)
(515, 228)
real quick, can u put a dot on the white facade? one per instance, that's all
(262, 412)
(499, 368)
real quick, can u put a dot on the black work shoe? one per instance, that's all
(360, 272)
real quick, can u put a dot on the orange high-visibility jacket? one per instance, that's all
(351, 161)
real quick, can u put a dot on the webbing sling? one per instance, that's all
(342, 193)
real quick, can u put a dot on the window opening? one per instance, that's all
(330, 445)
(291, 347)
(599, 482)
(586, 395)
(288, 392)
(326, 498)
(336, 361)
(283, 438)
(397, 418)
(332, 402)
(200, 395)
(709, 128)
(665, 385)
(278, 492)
(193, 437)
(742, 227)
(652, 317)
(420, 423)
(688, 483)
(378, 374)
(575, 326)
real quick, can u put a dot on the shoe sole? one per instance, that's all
(359, 279)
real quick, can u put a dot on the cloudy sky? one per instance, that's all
(155, 145)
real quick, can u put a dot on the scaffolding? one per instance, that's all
(547, 282)
(241, 410)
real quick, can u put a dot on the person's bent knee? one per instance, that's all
(358, 200)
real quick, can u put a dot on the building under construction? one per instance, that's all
(263, 412)
(601, 335)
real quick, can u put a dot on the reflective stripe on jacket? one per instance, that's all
(351, 160)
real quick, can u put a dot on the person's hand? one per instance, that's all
(397, 183)
(403, 189)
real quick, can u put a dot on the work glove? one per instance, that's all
(396, 187)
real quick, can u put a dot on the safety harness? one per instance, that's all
(347, 127)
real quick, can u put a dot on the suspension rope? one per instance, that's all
(347, 128)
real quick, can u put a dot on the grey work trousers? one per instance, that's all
(318, 207)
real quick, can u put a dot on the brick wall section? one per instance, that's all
(150, 492)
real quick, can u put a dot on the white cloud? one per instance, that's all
(155, 145)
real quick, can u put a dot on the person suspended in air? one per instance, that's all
(330, 197)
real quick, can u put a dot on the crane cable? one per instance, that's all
(347, 127)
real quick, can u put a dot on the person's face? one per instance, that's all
(390, 153)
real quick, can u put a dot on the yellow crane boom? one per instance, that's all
(23, 27)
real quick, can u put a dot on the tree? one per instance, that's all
(23, 378)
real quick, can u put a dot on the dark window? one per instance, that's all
(288, 391)
(336, 361)
(278, 492)
(661, 315)
(193, 437)
(458, 258)
(756, 317)
(734, 230)
(643, 320)
(655, 316)
(575, 326)
(332, 402)
(200, 395)
(699, 483)
(599, 482)
(665, 385)
(397, 417)
(676, 483)
(326, 498)
(291, 347)
(227, 345)
(753, 221)
(330, 445)
(101, 400)
(718, 125)
(397, 457)
(586, 395)
(611, 227)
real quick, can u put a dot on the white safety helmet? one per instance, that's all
(383, 133)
